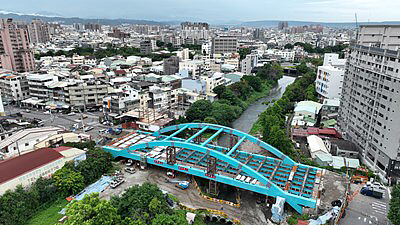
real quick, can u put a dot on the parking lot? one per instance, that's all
(249, 212)
(364, 210)
(64, 121)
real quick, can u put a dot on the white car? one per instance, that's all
(71, 114)
(88, 128)
(47, 112)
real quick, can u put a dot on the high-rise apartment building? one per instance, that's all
(194, 31)
(282, 25)
(224, 44)
(370, 102)
(15, 53)
(38, 31)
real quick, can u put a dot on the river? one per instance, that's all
(250, 115)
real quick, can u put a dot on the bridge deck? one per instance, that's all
(302, 181)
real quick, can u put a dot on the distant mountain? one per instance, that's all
(72, 20)
(274, 23)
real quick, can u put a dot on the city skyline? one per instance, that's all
(217, 11)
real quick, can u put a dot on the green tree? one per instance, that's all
(311, 94)
(211, 120)
(92, 211)
(394, 210)
(243, 52)
(68, 181)
(302, 68)
(254, 82)
(199, 110)
(170, 219)
(279, 140)
(270, 72)
(219, 90)
(96, 164)
(289, 46)
(17, 206)
(46, 190)
(135, 202)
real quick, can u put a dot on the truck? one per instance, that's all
(180, 184)
(372, 191)
(115, 131)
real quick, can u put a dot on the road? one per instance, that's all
(63, 121)
(364, 210)
(249, 212)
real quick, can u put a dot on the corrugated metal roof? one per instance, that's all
(17, 166)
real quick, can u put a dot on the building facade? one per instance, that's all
(171, 65)
(370, 100)
(328, 83)
(15, 53)
(14, 87)
(224, 44)
(196, 31)
(38, 32)
(248, 63)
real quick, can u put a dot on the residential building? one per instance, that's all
(282, 25)
(249, 63)
(183, 54)
(38, 31)
(214, 80)
(286, 55)
(224, 44)
(194, 67)
(121, 101)
(77, 59)
(15, 53)
(86, 95)
(171, 65)
(2, 112)
(38, 85)
(369, 107)
(14, 87)
(117, 33)
(93, 27)
(328, 83)
(206, 48)
(26, 169)
(196, 31)
(147, 46)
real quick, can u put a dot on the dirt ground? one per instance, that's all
(249, 212)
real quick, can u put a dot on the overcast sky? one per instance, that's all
(215, 10)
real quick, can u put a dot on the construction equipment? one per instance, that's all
(180, 184)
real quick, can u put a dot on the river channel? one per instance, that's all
(250, 116)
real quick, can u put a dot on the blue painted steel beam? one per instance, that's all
(197, 134)
(176, 132)
(237, 145)
(212, 137)
(266, 187)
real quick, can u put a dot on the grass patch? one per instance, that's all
(173, 198)
(49, 215)
(256, 128)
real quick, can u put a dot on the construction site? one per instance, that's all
(257, 178)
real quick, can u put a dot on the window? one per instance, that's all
(26, 144)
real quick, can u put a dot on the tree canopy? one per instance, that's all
(394, 210)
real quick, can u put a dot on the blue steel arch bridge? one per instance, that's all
(271, 176)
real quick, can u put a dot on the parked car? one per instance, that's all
(130, 170)
(27, 110)
(47, 112)
(71, 114)
(88, 128)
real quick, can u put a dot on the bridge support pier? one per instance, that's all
(211, 170)
(171, 155)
